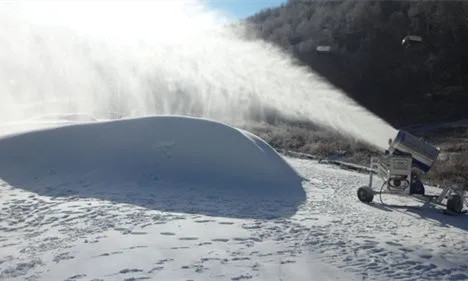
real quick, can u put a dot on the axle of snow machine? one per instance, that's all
(397, 169)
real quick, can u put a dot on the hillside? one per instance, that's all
(357, 45)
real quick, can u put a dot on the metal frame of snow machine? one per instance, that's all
(397, 170)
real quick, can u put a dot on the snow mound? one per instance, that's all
(153, 149)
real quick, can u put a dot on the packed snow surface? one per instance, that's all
(69, 219)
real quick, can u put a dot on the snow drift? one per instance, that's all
(168, 149)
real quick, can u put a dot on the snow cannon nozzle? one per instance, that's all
(423, 153)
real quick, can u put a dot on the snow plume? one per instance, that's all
(127, 59)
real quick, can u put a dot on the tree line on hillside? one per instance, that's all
(358, 46)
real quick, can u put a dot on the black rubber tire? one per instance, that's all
(455, 203)
(417, 187)
(365, 194)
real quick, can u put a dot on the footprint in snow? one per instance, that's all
(393, 243)
(366, 247)
(220, 240)
(136, 247)
(406, 250)
(157, 268)
(204, 221)
(242, 259)
(75, 277)
(123, 230)
(241, 238)
(365, 236)
(199, 268)
(164, 261)
(63, 256)
(255, 226)
(109, 254)
(188, 238)
(255, 239)
(309, 219)
(130, 270)
(242, 277)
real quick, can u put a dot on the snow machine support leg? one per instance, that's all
(455, 198)
(456, 201)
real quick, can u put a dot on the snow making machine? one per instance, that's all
(398, 169)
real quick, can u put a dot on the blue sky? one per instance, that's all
(242, 8)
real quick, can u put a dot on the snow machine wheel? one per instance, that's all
(365, 194)
(455, 204)
(417, 187)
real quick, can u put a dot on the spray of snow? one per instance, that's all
(127, 59)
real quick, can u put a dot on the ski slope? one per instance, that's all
(99, 201)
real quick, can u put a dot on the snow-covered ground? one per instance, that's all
(70, 228)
